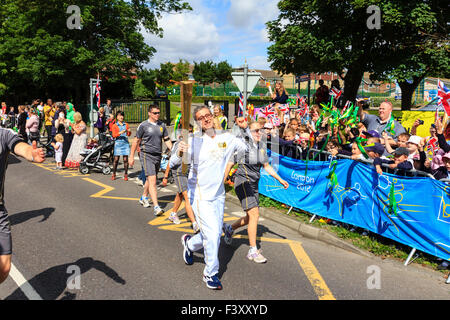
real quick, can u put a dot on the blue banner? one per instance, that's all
(361, 198)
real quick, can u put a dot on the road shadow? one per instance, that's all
(27, 215)
(13, 159)
(226, 252)
(52, 283)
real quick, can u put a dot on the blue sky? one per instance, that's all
(217, 30)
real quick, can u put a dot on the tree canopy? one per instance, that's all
(322, 36)
(40, 55)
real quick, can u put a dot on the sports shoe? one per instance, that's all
(144, 202)
(228, 233)
(158, 211)
(125, 177)
(195, 227)
(188, 256)
(113, 177)
(256, 256)
(174, 218)
(212, 282)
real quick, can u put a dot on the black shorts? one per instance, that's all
(5, 233)
(247, 193)
(150, 163)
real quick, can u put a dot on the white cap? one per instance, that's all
(268, 125)
(415, 139)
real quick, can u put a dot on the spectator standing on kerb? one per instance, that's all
(11, 142)
(149, 137)
(378, 123)
(108, 108)
(49, 113)
(322, 94)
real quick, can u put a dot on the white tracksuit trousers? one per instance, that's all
(209, 216)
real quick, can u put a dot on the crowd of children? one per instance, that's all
(400, 151)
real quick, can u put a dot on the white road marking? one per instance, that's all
(23, 284)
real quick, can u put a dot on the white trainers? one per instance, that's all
(157, 211)
(195, 227)
(144, 201)
(174, 218)
(256, 256)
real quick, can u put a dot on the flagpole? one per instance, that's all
(91, 118)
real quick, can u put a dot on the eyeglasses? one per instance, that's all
(205, 117)
(156, 112)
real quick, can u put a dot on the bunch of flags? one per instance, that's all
(444, 97)
(97, 91)
(241, 105)
(336, 93)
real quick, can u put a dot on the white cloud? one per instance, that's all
(247, 13)
(187, 36)
(258, 62)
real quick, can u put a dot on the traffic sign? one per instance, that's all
(253, 78)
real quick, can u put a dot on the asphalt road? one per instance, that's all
(64, 222)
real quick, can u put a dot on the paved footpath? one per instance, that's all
(86, 237)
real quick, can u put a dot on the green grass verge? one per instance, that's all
(373, 243)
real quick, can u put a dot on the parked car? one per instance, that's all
(160, 93)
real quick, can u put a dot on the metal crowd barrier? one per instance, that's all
(325, 156)
(318, 155)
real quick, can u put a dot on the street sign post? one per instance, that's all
(246, 82)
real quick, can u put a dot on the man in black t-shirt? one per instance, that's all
(11, 141)
(149, 137)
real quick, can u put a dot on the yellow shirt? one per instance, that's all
(49, 114)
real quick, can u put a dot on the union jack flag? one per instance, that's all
(444, 97)
(241, 105)
(336, 93)
(303, 106)
(267, 111)
(274, 120)
(284, 108)
(97, 91)
(347, 104)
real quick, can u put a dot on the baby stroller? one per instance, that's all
(99, 156)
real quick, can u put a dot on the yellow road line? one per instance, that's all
(320, 287)
(107, 189)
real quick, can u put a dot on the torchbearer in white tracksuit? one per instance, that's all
(208, 152)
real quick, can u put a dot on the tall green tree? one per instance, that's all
(420, 54)
(204, 73)
(321, 36)
(164, 75)
(223, 72)
(40, 55)
(181, 71)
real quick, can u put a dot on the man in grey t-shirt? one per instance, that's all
(149, 137)
(10, 141)
(378, 123)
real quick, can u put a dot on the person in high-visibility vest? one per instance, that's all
(220, 121)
